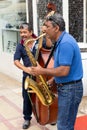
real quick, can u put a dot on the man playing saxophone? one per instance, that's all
(67, 71)
(26, 33)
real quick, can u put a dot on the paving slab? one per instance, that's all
(11, 117)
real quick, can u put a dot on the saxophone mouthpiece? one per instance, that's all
(34, 39)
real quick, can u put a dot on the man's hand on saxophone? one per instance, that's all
(34, 70)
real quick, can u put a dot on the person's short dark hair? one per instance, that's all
(57, 19)
(26, 25)
(29, 27)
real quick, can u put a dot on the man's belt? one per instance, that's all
(67, 83)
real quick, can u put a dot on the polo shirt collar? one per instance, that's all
(60, 38)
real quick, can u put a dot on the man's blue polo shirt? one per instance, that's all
(67, 53)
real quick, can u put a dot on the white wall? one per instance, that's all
(84, 61)
(7, 66)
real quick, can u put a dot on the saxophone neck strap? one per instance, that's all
(58, 42)
(51, 54)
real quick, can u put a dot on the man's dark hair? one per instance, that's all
(57, 19)
(26, 25)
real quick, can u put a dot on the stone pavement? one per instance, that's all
(11, 106)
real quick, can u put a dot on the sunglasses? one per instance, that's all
(52, 19)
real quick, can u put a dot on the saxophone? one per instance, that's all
(41, 89)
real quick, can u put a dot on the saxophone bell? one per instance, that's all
(34, 87)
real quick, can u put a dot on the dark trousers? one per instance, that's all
(27, 108)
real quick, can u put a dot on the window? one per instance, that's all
(42, 10)
(12, 14)
(76, 19)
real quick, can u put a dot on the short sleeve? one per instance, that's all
(66, 53)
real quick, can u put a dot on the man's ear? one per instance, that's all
(57, 28)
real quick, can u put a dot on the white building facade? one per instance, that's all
(15, 12)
